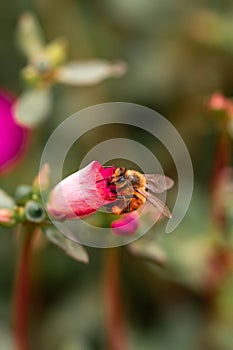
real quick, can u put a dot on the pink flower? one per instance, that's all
(127, 225)
(81, 193)
(13, 137)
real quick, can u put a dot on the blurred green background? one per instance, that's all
(178, 53)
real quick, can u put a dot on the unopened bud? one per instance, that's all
(6, 218)
(42, 180)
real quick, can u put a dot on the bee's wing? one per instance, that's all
(124, 194)
(156, 202)
(158, 183)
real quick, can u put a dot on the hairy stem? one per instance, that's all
(115, 321)
(22, 291)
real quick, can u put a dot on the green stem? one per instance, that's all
(21, 292)
(115, 321)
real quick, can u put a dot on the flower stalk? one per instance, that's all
(115, 320)
(221, 162)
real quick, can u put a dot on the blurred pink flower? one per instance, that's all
(219, 102)
(13, 137)
(81, 193)
(127, 225)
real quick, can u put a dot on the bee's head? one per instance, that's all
(120, 172)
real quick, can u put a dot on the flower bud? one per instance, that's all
(42, 180)
(6, 217)
(126, 225)
(81, 193)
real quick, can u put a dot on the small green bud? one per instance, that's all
(34, 212)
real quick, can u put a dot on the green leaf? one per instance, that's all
(71, 248)
(6, 201)
(33, 107)
(29, 35)
(89, 72)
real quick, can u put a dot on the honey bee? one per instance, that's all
(133, 189)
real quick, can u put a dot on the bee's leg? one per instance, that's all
(104, 179)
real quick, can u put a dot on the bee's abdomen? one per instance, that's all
(136, 202)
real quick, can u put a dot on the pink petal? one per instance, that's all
(13, 137)
(126, 225)
(81, 193)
